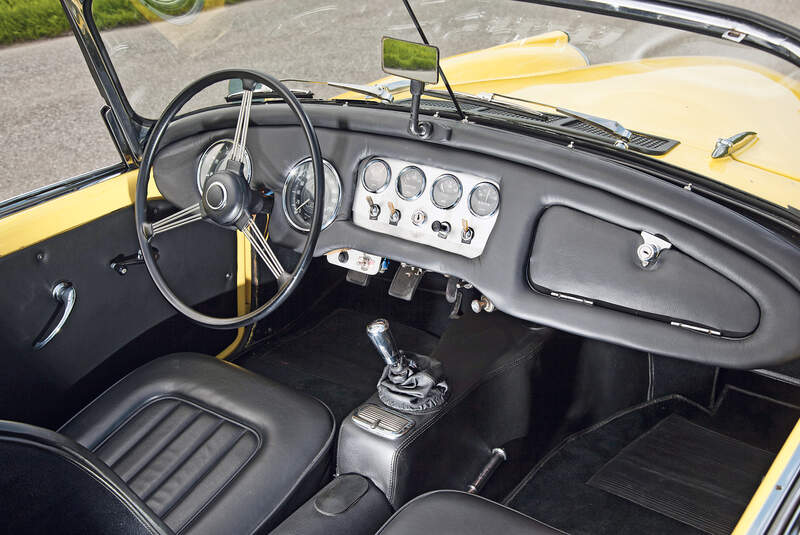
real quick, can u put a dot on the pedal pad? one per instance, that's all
(405, 282)
(359, 278)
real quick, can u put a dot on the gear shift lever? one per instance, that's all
(380, 335)
(410, 382)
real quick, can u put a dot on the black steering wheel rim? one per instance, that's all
(140, 209)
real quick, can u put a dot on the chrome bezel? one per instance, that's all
(205, 153)
(421, 191)
(472, 191)
(388, 175)
(460, 191)
(325, 224)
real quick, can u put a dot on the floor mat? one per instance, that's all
(562, 488)
(333, 360)
(684, 471)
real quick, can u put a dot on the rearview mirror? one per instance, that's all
(410, 60)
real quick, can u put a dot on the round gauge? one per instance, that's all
(299, 198)
(377, 175)
(446, 191)
(410, 183)
(214, 159)
(484, 199)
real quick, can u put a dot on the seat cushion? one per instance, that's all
(209, 446)
(450, 512)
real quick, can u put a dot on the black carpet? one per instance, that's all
(659, 452)
(332, 360)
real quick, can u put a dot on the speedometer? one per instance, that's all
(484, 200)
(215, 158)
(299, 198)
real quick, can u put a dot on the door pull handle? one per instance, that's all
(65, 295)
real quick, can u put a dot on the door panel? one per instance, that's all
(111, 310)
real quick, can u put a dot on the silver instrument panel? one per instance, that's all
(426, 204)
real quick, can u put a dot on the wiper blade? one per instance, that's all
(620, 133)
(478, 101)
(375, 91)
(263, 93)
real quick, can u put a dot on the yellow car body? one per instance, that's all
(695, 100)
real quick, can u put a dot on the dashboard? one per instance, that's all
(557, 234)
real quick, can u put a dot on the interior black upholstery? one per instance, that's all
(208, 446)
(450, 512)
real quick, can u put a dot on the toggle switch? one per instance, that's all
(374, 209)
(394, 215)
(467, 232)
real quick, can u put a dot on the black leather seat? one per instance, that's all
(207, 446)
(451, 512)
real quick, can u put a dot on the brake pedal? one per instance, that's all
(405, 282)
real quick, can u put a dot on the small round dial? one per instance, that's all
(484, 200)
(410, 183)
(299, 198)
(377, 175)
(215, 158)
(446, 191)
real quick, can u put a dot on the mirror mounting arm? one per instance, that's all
(418, 128)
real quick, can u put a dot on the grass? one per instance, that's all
(28, 20)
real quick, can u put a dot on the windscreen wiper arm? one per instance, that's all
(375, 91)
(620, 133)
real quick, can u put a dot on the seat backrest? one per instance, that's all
(50, 484)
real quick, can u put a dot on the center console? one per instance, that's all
(487, 362)
(392, 448)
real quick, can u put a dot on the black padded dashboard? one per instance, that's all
(743, 265)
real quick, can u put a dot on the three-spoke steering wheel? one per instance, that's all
(228, 200)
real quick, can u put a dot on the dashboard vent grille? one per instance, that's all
(646, 143)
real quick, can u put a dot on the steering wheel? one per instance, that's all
(227, 199)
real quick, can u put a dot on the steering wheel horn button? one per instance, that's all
(216, 196)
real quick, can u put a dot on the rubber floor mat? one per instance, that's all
(689, 473)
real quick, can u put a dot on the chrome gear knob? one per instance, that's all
(381, 336)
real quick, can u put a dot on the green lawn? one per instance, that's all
(27, 20)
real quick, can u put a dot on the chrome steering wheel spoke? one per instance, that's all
(264, 251)
(240, 137)
(190, 214)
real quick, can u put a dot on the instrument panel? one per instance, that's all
(455, 212)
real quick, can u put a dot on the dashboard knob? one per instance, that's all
(441, 228)
(343, 257)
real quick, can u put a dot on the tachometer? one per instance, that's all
(446, 191)
(410, 183)
(215, 157)
(484, 199)
(377, 175)
(299, 197)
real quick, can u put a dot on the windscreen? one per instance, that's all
(690, 88)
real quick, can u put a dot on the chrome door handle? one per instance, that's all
(64, 293)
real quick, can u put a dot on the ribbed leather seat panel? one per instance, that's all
(176, 456)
